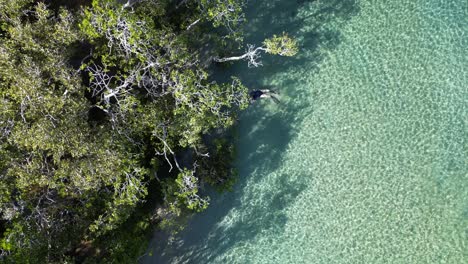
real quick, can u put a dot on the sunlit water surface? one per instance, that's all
(365, 159)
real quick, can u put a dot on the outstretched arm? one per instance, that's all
(275, 99)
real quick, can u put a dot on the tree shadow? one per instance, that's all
(266, 130)
(314, 23)
(210, 234)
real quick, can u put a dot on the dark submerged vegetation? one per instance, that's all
(110, 122)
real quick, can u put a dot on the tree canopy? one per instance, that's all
(110, 121)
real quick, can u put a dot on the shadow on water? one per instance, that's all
(264, 134)
(311, 22)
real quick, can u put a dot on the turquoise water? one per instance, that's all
(365, 160)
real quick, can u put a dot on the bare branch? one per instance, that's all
(166, 148)
(193, 24)
(252, 56)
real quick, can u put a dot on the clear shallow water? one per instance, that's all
(365, 160)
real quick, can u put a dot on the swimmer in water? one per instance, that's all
(264, 93)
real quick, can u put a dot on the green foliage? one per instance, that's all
(9, 11)
(59, 174)
(187, 191)
(127, 242)
(281, 45)
(223, 12)
(183, 194)
(209, 109)
(81, 146)
(218, 170)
